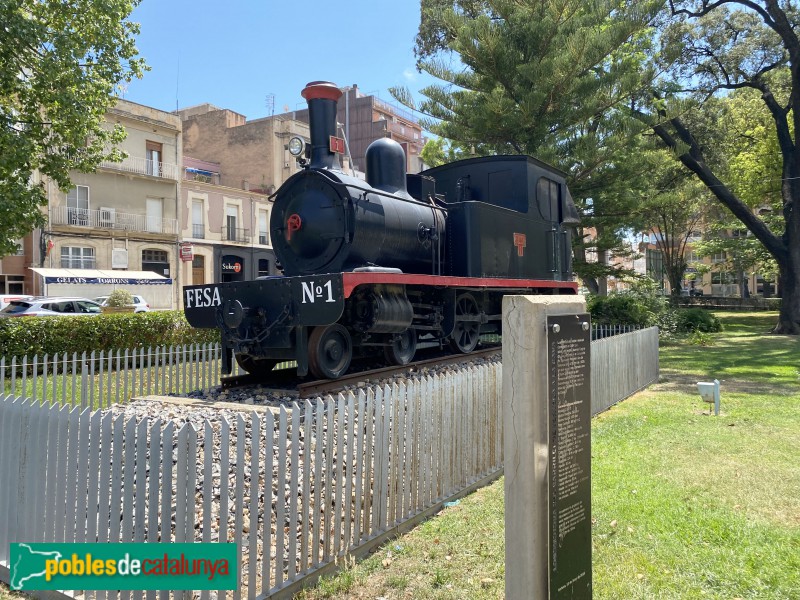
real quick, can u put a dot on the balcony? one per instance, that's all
(263, 239)
(198, 231)
(404, 131)
(203, 176)
(141, 166)
(111, 219)
(236, 234)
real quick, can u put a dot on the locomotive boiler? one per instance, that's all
(393, 263)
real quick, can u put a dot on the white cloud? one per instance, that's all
(410, 75)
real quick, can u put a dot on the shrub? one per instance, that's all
(56, 335)
(698, 338)
(642, 305)
(698, 319)
(119, 298)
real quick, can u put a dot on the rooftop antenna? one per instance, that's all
(177, 81)
(270, 101)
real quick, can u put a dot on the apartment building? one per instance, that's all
(365, 118)
(224, 230)
(118, 226)
(252, 155)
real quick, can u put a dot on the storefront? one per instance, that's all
(243, 264)
(91, 283)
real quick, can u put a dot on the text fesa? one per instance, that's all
(203, 297)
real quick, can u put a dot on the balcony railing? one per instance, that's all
(109, 218)
(236, 234)
(263, 239)
(191, 174)
(198, 231)
(143, 166)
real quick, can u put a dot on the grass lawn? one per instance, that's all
(685, 505)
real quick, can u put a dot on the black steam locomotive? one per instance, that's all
(395, 263)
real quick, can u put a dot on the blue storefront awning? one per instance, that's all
(115, 277)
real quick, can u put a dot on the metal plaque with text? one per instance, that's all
(569, 446)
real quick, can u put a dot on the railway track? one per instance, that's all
(286, 379)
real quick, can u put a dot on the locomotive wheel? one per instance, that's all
(467, 330)
(330, 350)
(255, 366)
(402, 349)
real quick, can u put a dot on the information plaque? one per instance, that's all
(569, 445)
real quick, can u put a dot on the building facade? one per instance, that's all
(121, 218)
(225, 230)
(252, 155)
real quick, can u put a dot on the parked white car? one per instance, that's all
(140, 303)
(44, 306)
(6, 299)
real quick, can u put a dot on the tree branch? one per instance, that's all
(693, 160)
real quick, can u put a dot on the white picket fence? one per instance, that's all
(296, 488)
(100, 379)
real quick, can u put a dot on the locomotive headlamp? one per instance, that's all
(296, 146)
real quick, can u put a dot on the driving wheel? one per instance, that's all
(402, 349)
(330, 350)
(255, 366)
(467, 329)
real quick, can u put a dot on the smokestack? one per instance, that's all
(322, 97)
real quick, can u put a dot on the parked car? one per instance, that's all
(7, 298)
(140, 304)
(43, 306)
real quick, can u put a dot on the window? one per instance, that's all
(155, 211)
(263, 232)
(198, 225)
(78, 205)
(154, 255)
(231, 213)
(156, 261)
(690, 257)
(263, 267)
(153, 158)
(20, 248)
(77, 257)
(719, 257)
(547, 198)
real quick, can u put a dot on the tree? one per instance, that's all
(545, 78)
(723, 45)
(672, 212)
(62, 64)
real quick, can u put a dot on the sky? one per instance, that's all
(235, 54)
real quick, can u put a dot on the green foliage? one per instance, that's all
(120, 297)
(547, 79)
(62, 63)
(641, 305)
(56, 335)
(700, 338)
(698, 319)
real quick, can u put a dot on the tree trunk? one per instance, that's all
(789, 283)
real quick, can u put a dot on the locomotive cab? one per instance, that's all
(508, 216)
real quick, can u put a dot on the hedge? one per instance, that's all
(27, 336)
